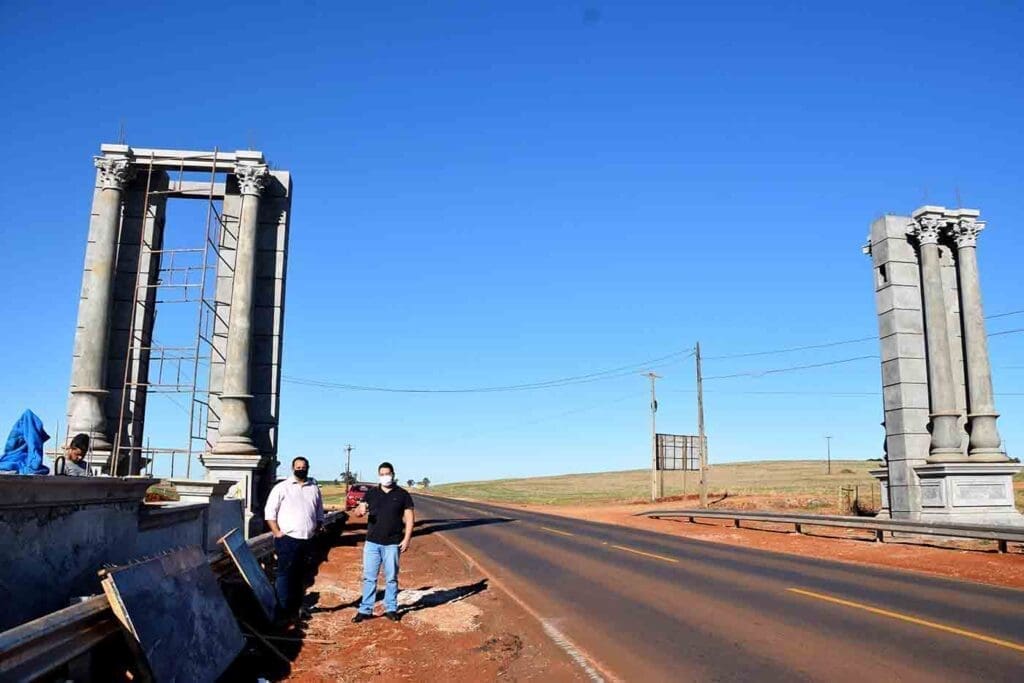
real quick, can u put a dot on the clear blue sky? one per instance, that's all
(498, 193)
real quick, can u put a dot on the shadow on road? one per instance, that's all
(429, 526)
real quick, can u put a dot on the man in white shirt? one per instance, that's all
(294, 513)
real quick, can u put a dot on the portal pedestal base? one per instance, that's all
(253, 476)
(969, 493)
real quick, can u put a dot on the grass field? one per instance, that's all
(334, 494)
(778, 479)
(785, 478)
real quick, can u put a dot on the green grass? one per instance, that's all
(793, 477)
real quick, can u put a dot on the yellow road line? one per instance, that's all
(913, 620)
(556, 531)
(641, 552)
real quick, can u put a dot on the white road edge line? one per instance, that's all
(571, 650)
(560, 639)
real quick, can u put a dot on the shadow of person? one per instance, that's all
(316, 609)
(422, 598)
(427, 597)
(432, 526)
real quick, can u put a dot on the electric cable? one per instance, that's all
(625, 370)
(612, 373)
(793, 368)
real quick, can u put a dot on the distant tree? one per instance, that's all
(410, 483)
(348, 478)
(425, 482)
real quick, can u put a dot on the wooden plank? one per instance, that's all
(250, 569)
(176, 612)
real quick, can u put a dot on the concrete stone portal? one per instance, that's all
(56, 532)
(943, 454)
(125, 267)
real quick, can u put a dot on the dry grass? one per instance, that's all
(787, 478)
(162, 491)
(334, 494)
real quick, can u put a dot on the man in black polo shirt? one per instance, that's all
(388, 533)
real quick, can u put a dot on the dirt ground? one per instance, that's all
(456, 625)
(966, 560)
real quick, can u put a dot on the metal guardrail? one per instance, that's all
(37, 647)
(1002, 534)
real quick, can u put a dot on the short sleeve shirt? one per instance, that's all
(385, 525)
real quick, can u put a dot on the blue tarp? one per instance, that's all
(24, 450)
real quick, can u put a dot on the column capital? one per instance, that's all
(965, 230)
(252, 178)
(927, 228)
(115, 172)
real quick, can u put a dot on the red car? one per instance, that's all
(355, 495)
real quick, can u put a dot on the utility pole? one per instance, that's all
(828, 452)
(348, 465)
(655, 478)
(701, 438)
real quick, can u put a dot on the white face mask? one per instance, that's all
(386, 480)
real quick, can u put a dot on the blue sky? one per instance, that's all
(499, 193)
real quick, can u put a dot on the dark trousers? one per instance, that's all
(292, 564)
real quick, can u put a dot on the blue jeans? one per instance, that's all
(374, 555)
(292, 565)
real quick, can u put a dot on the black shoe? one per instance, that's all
(393, 616)
(360, 617)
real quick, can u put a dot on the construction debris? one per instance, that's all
(251, 571)
(172, 605)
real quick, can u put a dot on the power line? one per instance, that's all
(843, 342)
(1003, 315)
(792, 348)
(843, 394)
(776, 371)
(850, 394)
(612, 373)
(624, 370)
(615, 373)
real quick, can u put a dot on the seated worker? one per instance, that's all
(72, 463)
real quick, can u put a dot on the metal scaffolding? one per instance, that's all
(183, 276)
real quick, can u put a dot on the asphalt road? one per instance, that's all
(643, 606)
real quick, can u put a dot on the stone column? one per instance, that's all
(984, 442)
(927, 226)
(88, 381)
(235, 432)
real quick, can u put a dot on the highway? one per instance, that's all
(635, 605)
